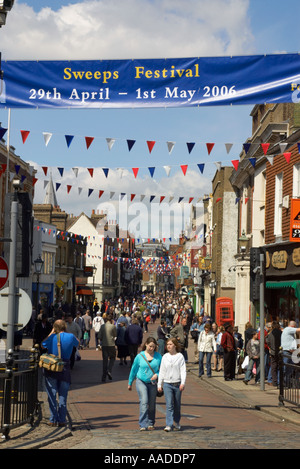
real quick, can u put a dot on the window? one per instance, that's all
(296, 180)
(278, 205)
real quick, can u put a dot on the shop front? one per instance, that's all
(282, 295)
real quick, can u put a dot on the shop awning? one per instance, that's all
(83, 290)
(295, 284)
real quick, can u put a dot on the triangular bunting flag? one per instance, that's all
(91, 171)
(161, 198)
(246, 147)
(190, 199)
(282, 147)
(235, 164)
(75, 171)
(88, 141)
(79, 190)
(100, 193)
(170, 146)
(45, 169)
(61, 171)
(47, 137)
(190, 146)
(110, 142)
(90, 192)
(253, 161)
(142, 197)
(135, 171)
(287, 156)
(24, 134)
(46, 184)
(184, 168)
(58, 186)
(201, 167)
(180, 199)
(167, 169)
(34, 180)
(130, 144)
(111, 195)
(17, 168)
(68, 188)
(270, 159)
(132, 197)
(209, 147)
(265, 147)
(218, 199)
(150, 144)
(228, 147)
(151, 198)
(2, 132)
(218, 165)
(105, 170)
(69, 139)
(298, 147)
(151, 171)
(122, 195)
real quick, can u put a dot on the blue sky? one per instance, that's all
(56, 30)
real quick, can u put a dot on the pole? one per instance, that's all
(7, 151)
(11, 316)
(262, 322)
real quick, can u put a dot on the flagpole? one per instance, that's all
(7, 148)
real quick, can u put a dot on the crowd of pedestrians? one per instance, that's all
(119, 326)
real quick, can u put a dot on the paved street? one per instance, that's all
(210, 417)
(215, 415)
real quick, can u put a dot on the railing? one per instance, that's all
(18, 392)
(289, 380)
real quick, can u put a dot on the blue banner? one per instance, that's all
(204, 81)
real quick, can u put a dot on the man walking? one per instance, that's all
(107, 336)
(134, 338)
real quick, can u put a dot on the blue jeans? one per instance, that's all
(58, 410)
(208, 363)
(173, 403)
(147, 397)
(248, 373)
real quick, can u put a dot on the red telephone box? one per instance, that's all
(224, 311)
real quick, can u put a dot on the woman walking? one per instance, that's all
(172, 376)
(145, 370)
(206, 346)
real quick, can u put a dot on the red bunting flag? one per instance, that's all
(100, 193)
(209, 147)
(135, 171)
(45, 169)
(88, 141)
(265, 147)
(68, 188)
(161, 199)
(218, 200)
(91, 171)
(190, 199)
(24, 134)
(235, 164)
(287, 156)
(184, 168)
(150, 144)
(34, 181)
(132, 197)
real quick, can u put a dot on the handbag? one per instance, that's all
(159, 393)
(52, 362)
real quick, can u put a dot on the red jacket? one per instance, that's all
(228, 342)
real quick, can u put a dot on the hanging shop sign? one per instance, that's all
(295, 220)
(174, 82)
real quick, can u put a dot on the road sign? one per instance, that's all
(23, 309)
(3, 272)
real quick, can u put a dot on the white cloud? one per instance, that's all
(128, 29)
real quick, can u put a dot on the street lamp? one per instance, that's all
(38, 265)
(5, 6)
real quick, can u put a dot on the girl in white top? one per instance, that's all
(172, 376)
(206, 346)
